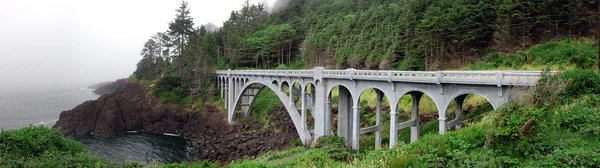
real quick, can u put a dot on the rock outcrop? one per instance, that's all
(208, 133)
(109, 87)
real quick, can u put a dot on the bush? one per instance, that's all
(39, 146)
(582, 82)
(580, 117)
(580, 53)
(171, 90)
(316, 158)
(548, 90)
(336, 146)
(572, 157)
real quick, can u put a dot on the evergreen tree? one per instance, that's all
(146, 68)
(181, 29)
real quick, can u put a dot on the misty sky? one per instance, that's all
(82, 42)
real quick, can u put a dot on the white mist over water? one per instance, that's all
(35, 106)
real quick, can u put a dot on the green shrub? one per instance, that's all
(171, 90)
(336, 146)
(582, 82)
(548, 90)
(580, 53)
(39, 146)
(265, 102)
(571, 157)
(581, 118)
(316, 158)
(296, 142)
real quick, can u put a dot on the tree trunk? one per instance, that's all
(180, 61)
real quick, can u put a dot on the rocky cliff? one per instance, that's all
(209, 135)
(108, 87)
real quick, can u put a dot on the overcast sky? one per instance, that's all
(82, 42)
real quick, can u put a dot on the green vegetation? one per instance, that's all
(566, 54)
(39, 146)
(265, 102)
(171, 90)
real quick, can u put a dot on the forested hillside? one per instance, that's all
(374, 34)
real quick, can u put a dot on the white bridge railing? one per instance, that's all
(458, 77)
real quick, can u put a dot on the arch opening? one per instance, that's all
(338, 106)
(264, 103)
(374, 111)
(418, 116)
(308, 117)
(466, 108)
(285, 87)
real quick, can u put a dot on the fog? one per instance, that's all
(73, 43)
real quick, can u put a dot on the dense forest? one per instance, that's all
(374, 34)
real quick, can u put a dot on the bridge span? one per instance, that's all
(310, 91)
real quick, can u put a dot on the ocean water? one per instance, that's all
(21, 108)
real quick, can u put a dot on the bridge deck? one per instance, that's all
(457, 77)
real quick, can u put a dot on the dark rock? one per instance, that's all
(208, 134)
(108, 87)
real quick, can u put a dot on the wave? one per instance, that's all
(49, 123)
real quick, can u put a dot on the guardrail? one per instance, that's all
(458, 77)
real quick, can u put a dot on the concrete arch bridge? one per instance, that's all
(313, 90)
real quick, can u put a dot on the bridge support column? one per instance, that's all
(291, 94)
(393, 124)
(378, 120)
(321, 108)
(327, 115)
(356, 126)
(414, 129)
(442, 120)
(225, 93)
(245, 104)
(231, 99)
(345, 116)
(459, 109)
(303, 111)
(220, 86)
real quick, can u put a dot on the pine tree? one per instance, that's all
(181, 29)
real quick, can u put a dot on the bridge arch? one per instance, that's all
(344, 115)
(414, 111)
(422, 91)
(459, 98)
(466, 92)
(291, 109)
(380, 100)
(284, 83)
